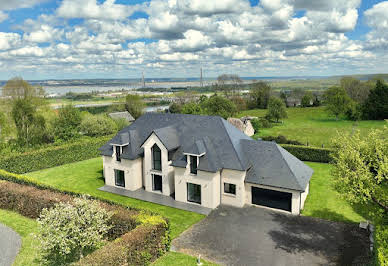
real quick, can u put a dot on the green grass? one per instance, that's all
(313, 125)
(24, 227)
(178, 259)
(86, 176)
(324, 202)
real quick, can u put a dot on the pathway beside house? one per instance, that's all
(141, 194)
(10, 243)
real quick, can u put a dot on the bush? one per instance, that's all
(67, 231)
(97, 125)
(282, 140)
(141, 246)
(260, 123)
(381, 244)
(121, 123)
(66, 125)
(312, 154)
(53, 156)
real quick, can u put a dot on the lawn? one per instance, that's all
(24, 227)
(177, 259)
(313, 125)
(324, 202)
(86, 176)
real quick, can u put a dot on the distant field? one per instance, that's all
(312, 125)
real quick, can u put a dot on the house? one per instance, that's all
(204, 160)
(244, 125)
(122, 115)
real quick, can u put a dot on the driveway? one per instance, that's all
(258, 236)
(10, 243)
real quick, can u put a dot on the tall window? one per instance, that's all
(118, 153)
(119, 178)
(193, 164)
(194, 193)
(156, 158)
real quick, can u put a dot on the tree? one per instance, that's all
(4, 127)
(259, 95)
(175, 108)
(218, 105)
(97, 125)
(192, 108)
(229, 84)
(361, 167)
(358, 91)
(135, 105)
(67, 125)
(68, 231)
(276, 109)
(337, 101)
(284, 97)
(376, 106)
(307, 99)
(17, 88)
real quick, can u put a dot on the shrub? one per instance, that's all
(282, 140)
(121, 123)
(312, 154)
(97, 125)
(66, 125)
(141, 246)
(68, 231)
(260, 123)
(53, 156)
(381, 244)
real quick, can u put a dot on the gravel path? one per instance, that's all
(10, 243)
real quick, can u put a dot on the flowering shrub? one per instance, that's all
(69, 231)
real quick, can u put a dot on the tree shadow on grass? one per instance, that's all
(101, 175)
(339, 243)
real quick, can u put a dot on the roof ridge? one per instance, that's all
(288, 167)
(223, 121)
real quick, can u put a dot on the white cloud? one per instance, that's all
(9, 40)
(207, 8)
(15, 4)
(377, 16)
(90, 9)
(3, 16)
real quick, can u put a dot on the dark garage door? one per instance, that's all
(271, 198)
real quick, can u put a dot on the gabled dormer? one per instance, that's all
(119, 143)
(193, 154)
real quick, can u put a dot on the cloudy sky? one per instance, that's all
(42, 39)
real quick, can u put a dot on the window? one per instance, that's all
(194, 193)
(118, 153)
(157, 184)
(119, 178)
(193, 164)
(230, 188)
(156, 158)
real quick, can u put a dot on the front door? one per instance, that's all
(157, 183)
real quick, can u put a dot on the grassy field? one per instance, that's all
(86, 176)
(324, 202)
(25, 227)
(312, 125)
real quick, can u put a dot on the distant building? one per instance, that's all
(120, 115)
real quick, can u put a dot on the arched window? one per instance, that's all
(156, 158)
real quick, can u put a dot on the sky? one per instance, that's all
(75, 39)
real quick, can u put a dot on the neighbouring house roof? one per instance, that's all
(223, 147)
(271, 165)
(119, 115)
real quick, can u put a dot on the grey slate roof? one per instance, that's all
(271, 165)
(224, 146)
(126, 115)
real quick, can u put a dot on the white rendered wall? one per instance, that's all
(304, 195)
(132, 171)
(210, 186)
(237, 178)
(167, 172)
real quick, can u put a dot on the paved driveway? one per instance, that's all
(257, 236)
(10, 243)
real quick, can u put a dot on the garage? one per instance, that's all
(271, 198)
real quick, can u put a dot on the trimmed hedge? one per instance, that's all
(306, 153)
(21, 163)
(140, 246)
(30, 201)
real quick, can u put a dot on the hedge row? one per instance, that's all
(140, 246)
(21, 163)
(30, 201)
(306, 153)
